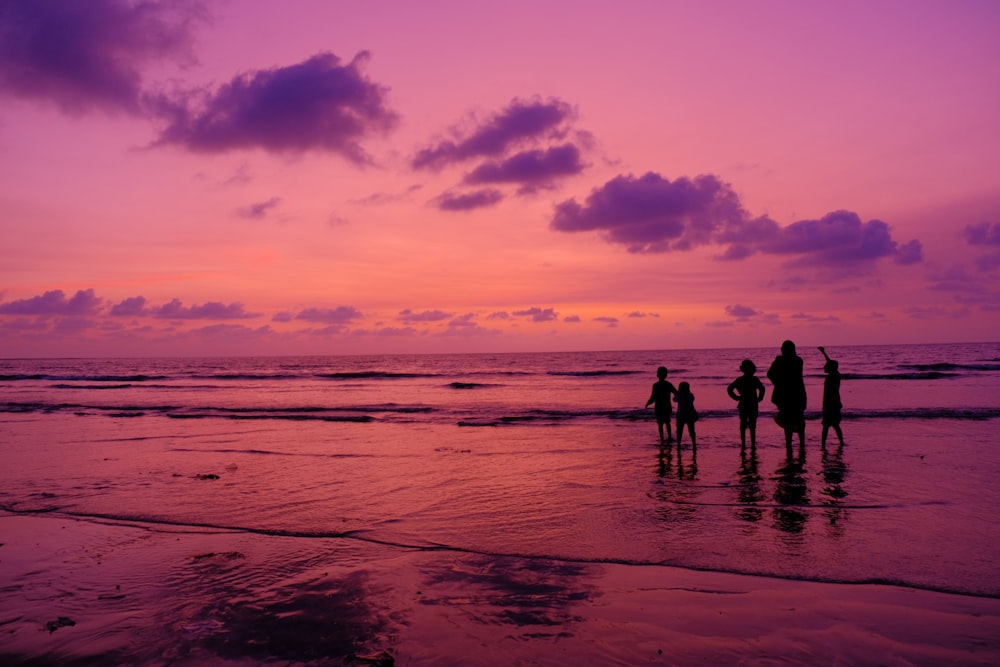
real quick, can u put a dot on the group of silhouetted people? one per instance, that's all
(788, 395)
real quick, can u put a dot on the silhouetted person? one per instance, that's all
(686, 414)
(789, 394)
(664, 409)
(831, 399)
(748, 390)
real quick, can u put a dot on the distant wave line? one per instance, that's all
(464, 417)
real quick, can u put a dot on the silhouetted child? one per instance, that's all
(748, 390)
(686, 414)
(660, 395)
(831, 399)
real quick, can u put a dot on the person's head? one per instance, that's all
(831, 366)
(661, 372)
(788, 348)
(683, 388)
(748, 367)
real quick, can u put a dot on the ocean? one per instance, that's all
(529, 458)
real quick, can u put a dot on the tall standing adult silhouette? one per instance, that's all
(789, 393)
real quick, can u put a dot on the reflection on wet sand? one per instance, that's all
(536, 595)
(791, 493)
(833, 472)
(749, 491)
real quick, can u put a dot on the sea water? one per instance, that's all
(549, 455)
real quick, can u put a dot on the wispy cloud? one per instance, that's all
(468, 201)
(520, 121)
(54, 302)
(536, 314)
(258, 210)
(407, 316)
(341, 315)
(211, 310)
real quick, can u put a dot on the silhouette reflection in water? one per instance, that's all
(833, 472)
(679, 498)
(667, 467)
(791, 493)
(749, 488)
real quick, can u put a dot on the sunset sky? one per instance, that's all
(322, 177)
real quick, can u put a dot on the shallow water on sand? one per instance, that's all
(549, 457)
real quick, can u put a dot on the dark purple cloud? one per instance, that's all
(532, 168)
(469, 201)
(805, 317)
(610, 321)
(984, 233)
(741, 311)
(537, 314)
(340, 315)
(211, 310)
(134, 306)
(463, 322)
(88, 54)
(839, 237)
(282, 316)
(640, 314)
(572, 319)
(466, 325)
(651, 213)
(988, 262)
(259, 210)
(54, 302)
(499, 315)
(520, 121)
(318, 104)
(409, 317)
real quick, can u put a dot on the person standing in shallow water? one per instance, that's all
(789, 393)
(686, 414)
(831, 399)
(748, 391)
(662, 391)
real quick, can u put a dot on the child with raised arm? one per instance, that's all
(662, 390)
(831, 399)
(686, 414)
(748, 391)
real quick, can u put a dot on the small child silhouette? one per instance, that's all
(662, 390)
(748, 390)
(831, 399)
(686, 414)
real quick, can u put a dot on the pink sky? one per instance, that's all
(314, 177)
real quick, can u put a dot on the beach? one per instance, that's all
(493, 511)
(136, 597)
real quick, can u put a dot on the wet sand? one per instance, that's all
(93, 592)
